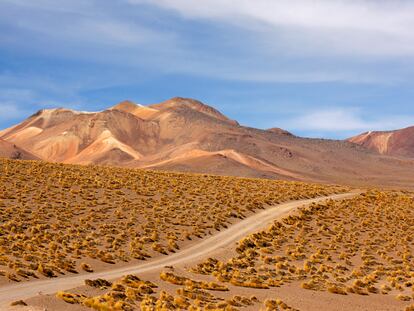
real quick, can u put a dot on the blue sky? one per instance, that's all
(322, 68)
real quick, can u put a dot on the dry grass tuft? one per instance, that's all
(56, 218)
(362, 246)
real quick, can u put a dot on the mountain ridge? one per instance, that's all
(188, 135)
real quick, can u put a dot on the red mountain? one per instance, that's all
(187, 135)
(396, 143)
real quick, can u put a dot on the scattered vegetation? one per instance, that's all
(18, 303)
(362, 245)
(99, 283)
(180, 280)
(276, 305)
(70, 298)
(410, 308)
(57, 219)
(132, 293)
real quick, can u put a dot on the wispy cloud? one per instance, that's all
(381, 28)
(82, 53)
(93, 31)
(344, 120)
(262, 41)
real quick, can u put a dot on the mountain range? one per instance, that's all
(186, 135)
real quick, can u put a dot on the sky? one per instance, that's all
(318, 68)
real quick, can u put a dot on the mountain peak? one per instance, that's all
(137, 110)
(126, 105)
(177, 102)
(53, 111)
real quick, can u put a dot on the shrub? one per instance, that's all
(70, 298)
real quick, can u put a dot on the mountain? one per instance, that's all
(187, 135)
(395, 143)
(278, 130)
(10, 150)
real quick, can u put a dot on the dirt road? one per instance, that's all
(204, 248)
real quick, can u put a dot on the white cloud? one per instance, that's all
(76, 27)
(261, 41)
(381, 28)
(342, 119)
(299, 76)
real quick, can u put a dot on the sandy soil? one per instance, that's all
(219, 243)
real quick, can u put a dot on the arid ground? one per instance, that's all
(95, 214)
(105, 238)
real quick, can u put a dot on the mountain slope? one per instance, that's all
(185, 134)
(396, 143)
(9, 150)
(62, 135)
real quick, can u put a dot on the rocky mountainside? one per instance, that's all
(396, 143)
(187, 135)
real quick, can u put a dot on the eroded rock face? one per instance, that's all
(396, 143)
